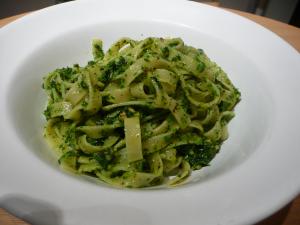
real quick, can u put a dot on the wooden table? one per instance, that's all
(290, 214)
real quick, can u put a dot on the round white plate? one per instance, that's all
(257, 170)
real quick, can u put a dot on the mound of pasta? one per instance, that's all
(142, 114)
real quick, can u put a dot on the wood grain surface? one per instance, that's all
(290, 214)
(8, 219)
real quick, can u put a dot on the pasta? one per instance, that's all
(142, 114)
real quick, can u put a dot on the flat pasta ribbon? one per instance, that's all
(141, 114)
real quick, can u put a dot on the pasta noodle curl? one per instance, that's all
(143, 113)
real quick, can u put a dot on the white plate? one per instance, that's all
(257, 170)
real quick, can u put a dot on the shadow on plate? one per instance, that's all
(33, 211)
(278, 218)
(38, 212)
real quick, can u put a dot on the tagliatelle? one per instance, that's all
(143, 113)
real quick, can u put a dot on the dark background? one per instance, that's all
(287, 11)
